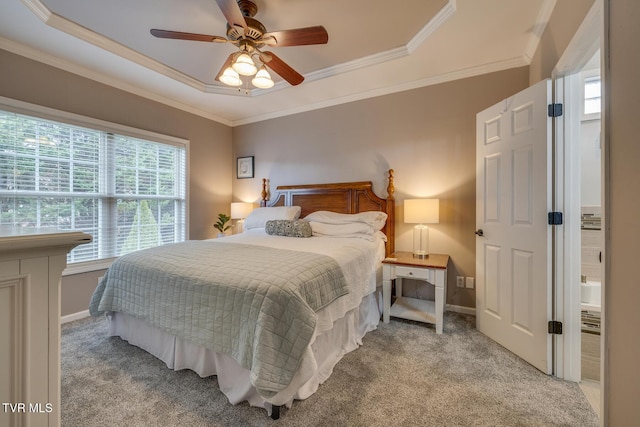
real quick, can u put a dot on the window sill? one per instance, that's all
(87, 267)
(589, 117)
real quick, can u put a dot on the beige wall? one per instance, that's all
(426, 135)
(77, 290)
(622, 153)
(566, 18)
(210, 142)
(419, 133)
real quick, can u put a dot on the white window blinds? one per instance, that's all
(128, 193)
(592, 94)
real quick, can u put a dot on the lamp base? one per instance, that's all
(240, 226)
(421, 241)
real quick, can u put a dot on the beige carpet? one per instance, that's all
(403, 375)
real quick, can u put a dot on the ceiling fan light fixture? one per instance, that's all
(262, 80)
(230, 77)
(244, 65)
(249, 35)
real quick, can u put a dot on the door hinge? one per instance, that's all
(555, 327)
(554, 110)
(555, 218)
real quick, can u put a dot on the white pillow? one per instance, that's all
(324, 229)
(375, 219)
(358, 230)
(259, 216)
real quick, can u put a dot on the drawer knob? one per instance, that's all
(411, 273)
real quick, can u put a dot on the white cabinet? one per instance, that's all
(31, 264)
(432, 270)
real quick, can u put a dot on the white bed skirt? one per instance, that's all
(321, 356)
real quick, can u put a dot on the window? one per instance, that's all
(129, 193)
(591, 98)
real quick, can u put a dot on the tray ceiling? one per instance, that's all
(375, 47)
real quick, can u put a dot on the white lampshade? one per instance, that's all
(244, 65)
(421, 211)
(262, 80)
(240, 210)
(230, 77)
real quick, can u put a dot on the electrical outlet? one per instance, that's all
(470, 282)
(460, 281)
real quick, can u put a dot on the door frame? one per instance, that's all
(566, 299)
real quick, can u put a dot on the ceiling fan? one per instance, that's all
(250, 36)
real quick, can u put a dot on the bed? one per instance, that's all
(270, 311)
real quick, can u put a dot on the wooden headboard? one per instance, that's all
(345, 197)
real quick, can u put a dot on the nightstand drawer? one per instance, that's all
(413, 273)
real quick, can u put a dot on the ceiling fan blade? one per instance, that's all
(178, 35)
(297, 37)
(281, 68)
(232, 13)
(226, 64)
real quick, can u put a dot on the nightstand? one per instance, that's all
(433, 270)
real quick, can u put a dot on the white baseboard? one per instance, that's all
(461, 309)
(75, 316)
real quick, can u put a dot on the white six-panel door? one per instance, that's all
(513, 250)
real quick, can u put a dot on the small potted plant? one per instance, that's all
(222, 224)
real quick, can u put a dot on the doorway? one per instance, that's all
(576, 83)
(591, 234)
(580, 196)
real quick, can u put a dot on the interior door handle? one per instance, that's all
(479, 232)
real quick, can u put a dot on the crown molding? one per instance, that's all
(84, 34)
(516, 62)
(536, 33)
(53, 61)
(585, 43)
(60, 23)
(447, 11)
(38, 9)
(48, 59)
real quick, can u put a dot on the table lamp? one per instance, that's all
(421, 212)
(239, 211)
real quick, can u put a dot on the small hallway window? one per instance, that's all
(592, 97)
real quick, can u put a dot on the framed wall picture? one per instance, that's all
(244, 167)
